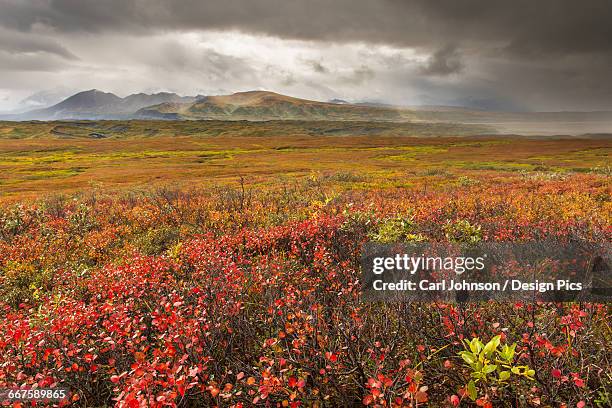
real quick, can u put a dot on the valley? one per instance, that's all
(39, 158)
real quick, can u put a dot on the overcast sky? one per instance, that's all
(494, 54)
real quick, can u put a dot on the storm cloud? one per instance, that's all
(445, 61)
(534, 55)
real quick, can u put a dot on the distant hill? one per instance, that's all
(250, 105)
(339, 101)
(133, 103)
(265, 105)
(83, 103)
(94, 104)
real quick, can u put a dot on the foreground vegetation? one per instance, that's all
(246, 290)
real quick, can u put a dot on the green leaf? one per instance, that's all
(507, 352)
(530, 373)
(504, 375)
(489, 368)
(516, 370)
(512, 349)
(471, 390)
(476, 345)
(492, 345)
(468, 357)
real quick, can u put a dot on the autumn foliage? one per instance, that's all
(239, 298)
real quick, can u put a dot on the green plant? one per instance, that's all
(462, 231)
(157, 240)
(603, 398)
(397, 229)
(491, 365)
(465, 181)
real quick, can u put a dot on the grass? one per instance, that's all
(39, 158)
(497, 166)
(46, 174)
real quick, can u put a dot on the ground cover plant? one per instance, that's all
(37, 159)
(244, 288)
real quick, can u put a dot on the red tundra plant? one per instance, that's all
(269, 313)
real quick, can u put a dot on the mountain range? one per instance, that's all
(95, 104)
(250, 105)
(265, 105)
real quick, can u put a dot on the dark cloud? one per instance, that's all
(445, 61)
(21, 43)
(520, 26)
(173, 56)
(27, 62)
(546, 50)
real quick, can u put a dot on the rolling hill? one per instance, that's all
(250, 105)
(271, 106)
(265, 105)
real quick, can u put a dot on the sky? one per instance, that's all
(520, 55)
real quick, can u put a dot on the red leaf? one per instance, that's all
(420, 396)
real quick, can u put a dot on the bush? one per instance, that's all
(462, 231)
(158, 240)
(396, 229)
(258, 303)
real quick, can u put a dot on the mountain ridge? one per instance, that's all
(247, 105)
(267, 105)
(96, 104)
(260, 105)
